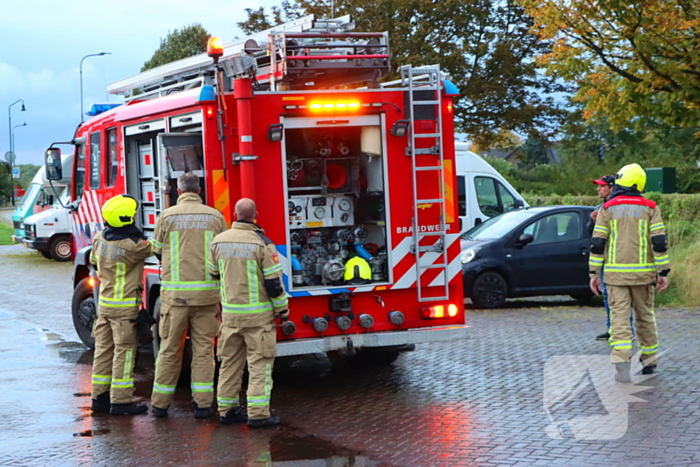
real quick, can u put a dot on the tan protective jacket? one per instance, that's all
(120, 270)
(183, 235)
(252, 292)
(629, 241)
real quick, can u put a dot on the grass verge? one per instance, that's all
(6, 232)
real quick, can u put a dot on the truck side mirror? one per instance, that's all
(54, 168)
(519, 203)
(524, 239)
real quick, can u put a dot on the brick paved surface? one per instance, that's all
(473, 402)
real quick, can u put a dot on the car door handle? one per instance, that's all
(584, 250)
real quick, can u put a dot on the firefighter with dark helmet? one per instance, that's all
(358, 271)
(118, 252)
(629, 237)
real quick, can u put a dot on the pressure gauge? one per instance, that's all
(291, 206)
(320, 212)
(344, 205)
(298, 208)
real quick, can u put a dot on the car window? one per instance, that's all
(462, 195)
(507, 198)
(561, 227)
(486, 196)
(498, 226)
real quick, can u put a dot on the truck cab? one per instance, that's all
(34, 200)
(49, 232)
(483, 193)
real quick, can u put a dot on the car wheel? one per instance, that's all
(490, 290)
(84, 310)
(46, 254)
(60, 249)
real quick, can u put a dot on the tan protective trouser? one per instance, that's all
(115, 354)
(257, 345)
(641, 298)
(203, 324)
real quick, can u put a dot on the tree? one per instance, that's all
(181, 43)
(635, 58)
(535, 153)
(485, 46)
(27, 172)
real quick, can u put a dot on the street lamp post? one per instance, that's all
(9, 119)
(82, 118)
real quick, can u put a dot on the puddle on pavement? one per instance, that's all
(70, 352)
(289, 447)
(90, 433)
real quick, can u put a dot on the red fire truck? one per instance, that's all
(340, 166)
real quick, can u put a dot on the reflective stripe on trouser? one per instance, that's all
(257, 346)
(641, 298)
(115, 354)
(174, 322)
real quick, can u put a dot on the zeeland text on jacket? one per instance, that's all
(191, 221)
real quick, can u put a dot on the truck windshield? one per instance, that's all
(30, 195)
(498, 226)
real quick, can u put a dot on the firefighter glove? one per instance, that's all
(143, 324)
(283, 315)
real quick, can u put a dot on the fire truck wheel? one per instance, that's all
(61, 249)
(46, 254)
(84, 312)
(185, 375)
(490, 290)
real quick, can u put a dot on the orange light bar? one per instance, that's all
(92, 281)
(440, 311)
(215, 47)
(334, 105)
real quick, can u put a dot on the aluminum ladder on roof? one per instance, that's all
(428, 169)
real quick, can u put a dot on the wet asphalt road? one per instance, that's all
(474, 402)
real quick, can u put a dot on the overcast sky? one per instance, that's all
(43, 41)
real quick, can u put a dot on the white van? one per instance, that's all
(482, 192)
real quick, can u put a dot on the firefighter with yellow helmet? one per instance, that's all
(629, 237)
(118, 252)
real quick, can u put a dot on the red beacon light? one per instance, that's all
(215, 48)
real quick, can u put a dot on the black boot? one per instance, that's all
(270, 421)
(201, 412)
(649, 369)
(128, 409)
(101, 403)
(234, 415)
(160, 413)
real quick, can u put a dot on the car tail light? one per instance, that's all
(440, 311)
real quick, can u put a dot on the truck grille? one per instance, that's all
(30, 230)
(17, 225)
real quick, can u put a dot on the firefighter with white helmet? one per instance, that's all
(252, 296)
(189, 295)
(629, 237)
(118, 252)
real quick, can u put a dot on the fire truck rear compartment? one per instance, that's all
(336, 199)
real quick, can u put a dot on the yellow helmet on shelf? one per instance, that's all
(120, 210)
(631, 175)
(358, 271)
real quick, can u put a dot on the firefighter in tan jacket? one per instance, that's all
(189, 295)
(118, 252)
(252, 295)
(629, 237)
